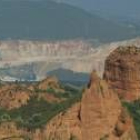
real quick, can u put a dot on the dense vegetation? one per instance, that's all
(134, 109)
(38, 111)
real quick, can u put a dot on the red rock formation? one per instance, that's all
(65, 125)
(50, 83)
(100, 108)
(13, 96)
(122, 71)
(99, 115)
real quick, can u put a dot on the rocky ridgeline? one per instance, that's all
(15, 95)
(99, 115)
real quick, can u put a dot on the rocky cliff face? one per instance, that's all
(43, 56)
(33, 59)
(98, 116)
(15, 95)
(122, 71)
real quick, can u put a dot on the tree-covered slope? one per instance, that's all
(50, 20)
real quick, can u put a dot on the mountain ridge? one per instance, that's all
(49, 20)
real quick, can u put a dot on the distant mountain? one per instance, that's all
(116, 11)
(69, 75)
(121, 8)
(56, 21)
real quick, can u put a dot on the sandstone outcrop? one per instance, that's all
(13, 96)
(49, 85)
(99, 115)
(122, 71)
(49, 82)
(100, 108)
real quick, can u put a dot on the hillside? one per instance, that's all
(110, 8)
(55, 21)
(50, 110)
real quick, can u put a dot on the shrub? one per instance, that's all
(72, 137)
(105, 137)
(134, 110)
(5, 117)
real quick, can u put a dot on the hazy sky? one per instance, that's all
(118, 7)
